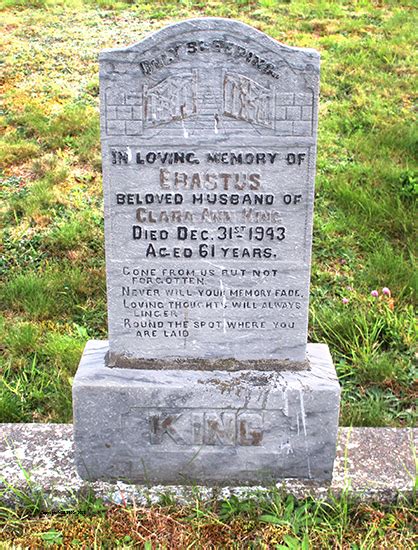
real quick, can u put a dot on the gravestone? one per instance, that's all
(208, 132)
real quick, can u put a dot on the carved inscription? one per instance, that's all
(215, 428)
(228, 48)
(218, 207)
(203, 211)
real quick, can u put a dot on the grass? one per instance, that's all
(270, 520)
(52, 289)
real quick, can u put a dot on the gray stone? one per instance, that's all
(37, 460)
(209, 146)
(205, 427)
(208, 132)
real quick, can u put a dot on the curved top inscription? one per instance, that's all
(297, 58)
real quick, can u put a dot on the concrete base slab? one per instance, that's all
(205, 427)
(38, 459)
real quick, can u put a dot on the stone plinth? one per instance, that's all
(38, 459)
(205, 427)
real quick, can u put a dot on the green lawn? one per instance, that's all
(269, 521)
(52, 290)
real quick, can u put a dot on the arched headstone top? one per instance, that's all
(209, 76)
(207, 36)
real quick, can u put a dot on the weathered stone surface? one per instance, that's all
(38, 459)
(205, 427)
(209, 146)
(208, 132)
